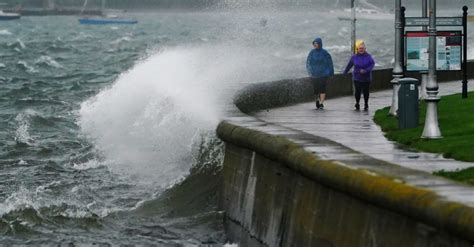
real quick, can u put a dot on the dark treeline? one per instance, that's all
(145, 4)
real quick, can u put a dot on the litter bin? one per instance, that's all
(408, 111)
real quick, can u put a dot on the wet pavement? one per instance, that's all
(355, 130)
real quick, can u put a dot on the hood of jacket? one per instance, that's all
(319, 41)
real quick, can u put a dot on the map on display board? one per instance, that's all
(448, 50)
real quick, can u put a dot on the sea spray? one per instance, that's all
(154, 115)
(149, 121)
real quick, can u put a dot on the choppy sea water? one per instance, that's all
(107, 132)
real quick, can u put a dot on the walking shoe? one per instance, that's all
(366, 107)
(357, 106)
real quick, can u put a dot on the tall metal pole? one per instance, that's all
(402, 37)
(464, 54)
(48, 4)
(431, 130)
(397, 72)
(102, 7)
(424, 74)
(353, 26)
(424, 11)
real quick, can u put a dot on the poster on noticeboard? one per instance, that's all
(448, 50)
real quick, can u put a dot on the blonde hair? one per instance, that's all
(358, 43)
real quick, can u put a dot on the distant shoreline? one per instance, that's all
(45, 12)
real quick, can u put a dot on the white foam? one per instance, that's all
(40, 198)
(149, 120)
(22, 134)
(120, 40)
(20, 199)
(91, 164)
(20, 44)
(47, 60)
(24, 65)
(5, 32)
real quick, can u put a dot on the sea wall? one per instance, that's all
(277, 193)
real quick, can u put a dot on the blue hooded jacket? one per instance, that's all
(319, 62)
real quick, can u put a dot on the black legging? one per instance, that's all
(362, 87)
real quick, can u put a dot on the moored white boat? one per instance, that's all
(105, 19)
(362, 14)
(8, 16)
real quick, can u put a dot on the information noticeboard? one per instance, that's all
(448, 50)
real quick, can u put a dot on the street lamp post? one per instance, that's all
(431, 129)
(424, 74)
(353, 26)
(397, 72)
(464, 53)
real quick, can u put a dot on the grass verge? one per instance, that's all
(456, 121)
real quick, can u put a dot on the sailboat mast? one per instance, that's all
(48, 4)
(102, 9)
(83, 7)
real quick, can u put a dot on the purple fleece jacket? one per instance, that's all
(361, 61)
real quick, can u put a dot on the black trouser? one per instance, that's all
(362, 87)
(319, 85)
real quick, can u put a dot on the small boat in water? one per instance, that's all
(106, 20)
(8, 16)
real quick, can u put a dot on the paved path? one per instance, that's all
(356, 130)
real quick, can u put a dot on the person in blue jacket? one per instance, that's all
(320, 68)
(363, 64)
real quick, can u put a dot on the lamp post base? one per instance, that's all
(394, 108)
(431, 129)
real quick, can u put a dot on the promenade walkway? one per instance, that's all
(339, 122)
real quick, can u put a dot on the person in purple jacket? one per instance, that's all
(361, 74)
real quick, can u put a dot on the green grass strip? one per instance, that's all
(456, 122)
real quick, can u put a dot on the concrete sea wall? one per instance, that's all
(276, 193)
